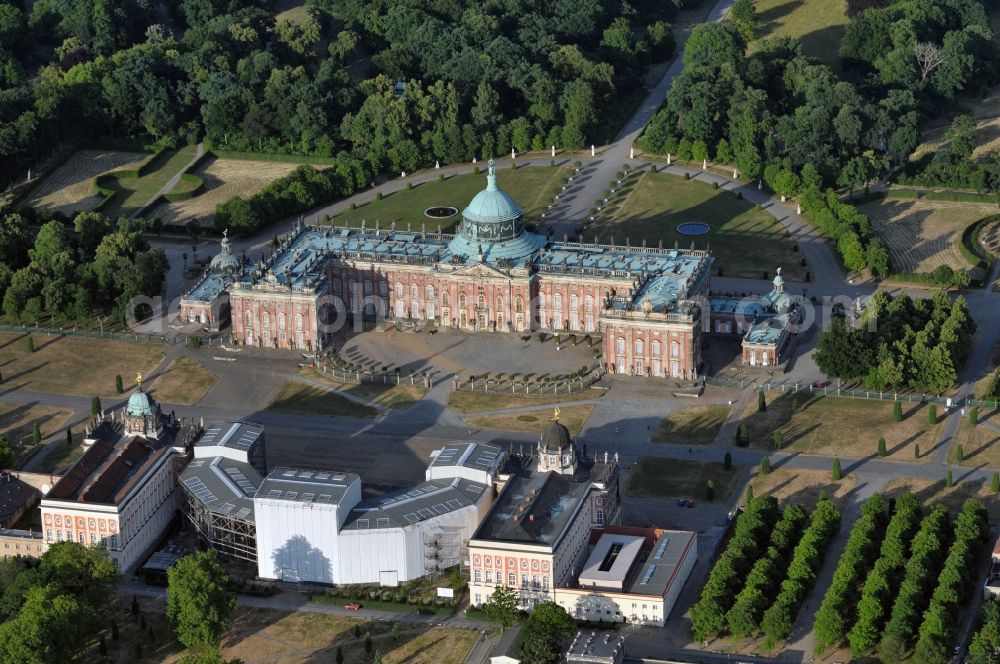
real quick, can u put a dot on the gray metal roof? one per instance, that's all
(549, 501)
(222, 485)
(307, 486)
(468, 455)
(657, 573)
(597, 647)
(408, 506)
(235, 435)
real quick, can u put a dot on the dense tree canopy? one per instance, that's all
(200, 603)
(900, 342)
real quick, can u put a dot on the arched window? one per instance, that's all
(445, 300)
(399, 289)
(461, 300)
(298, 322)
(511, 579)
(557, 301)
(281, 321)
(489, 576)
(266, 317)
(430, 292)
(481, 300)
(545, 582)
(639, 346)
(414, 291)
(368, 287)
(621, 346)
(675, 349)
(249, 318)
(534, 582)
(499, 304)
(574, 303)
(519, 305)
(477, 576)
(589, 303)
(524, 580)
(383, 288)
(656, 349)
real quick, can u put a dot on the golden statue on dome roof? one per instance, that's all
(138, 379)
(555, 415)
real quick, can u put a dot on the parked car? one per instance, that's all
(690, 503)
(820, 384)
(353, 606)
(682, 502)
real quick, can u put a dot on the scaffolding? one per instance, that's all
(229, 534)
(442, 549)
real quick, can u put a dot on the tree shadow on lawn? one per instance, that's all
(769, 16)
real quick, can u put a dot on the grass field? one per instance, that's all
(654, 477)
(819, 24)
(17, 423)
(72, 365)
(185, 382)
(987, 136)
(132, 193)
(536, 421)
(223, 178)
(746, 242)
(831, 426)
(275, 637)
(980, 444)
(531, 187)
(68, 188)
(298, 398)
(801, 486)
(387, 395)
(694, 425)
(922, 235)
(476, 402)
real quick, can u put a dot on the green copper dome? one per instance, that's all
(141, 404)
(224, 261)
(492, 215)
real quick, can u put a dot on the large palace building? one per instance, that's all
(649, 304)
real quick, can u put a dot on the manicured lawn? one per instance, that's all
(832, 426)
(389, 395)
(73, 365)
(819, 24)
(185, 382)
(695, 425)
(674, 478)
(531, 187)
(801, 486)
(475, 402)
(536, 421)
(745, 241)
(132, 193)
(298, 398)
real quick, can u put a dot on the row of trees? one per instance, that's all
(926, 552)
(544, 633)
(748, 542)
(883, 580)
(837, 611)
(986, 641)
(300, 190)
(766, 574)
(98, 264)
(802, 569)
(954, 585)
(900, 342)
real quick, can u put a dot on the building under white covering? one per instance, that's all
(315, 526)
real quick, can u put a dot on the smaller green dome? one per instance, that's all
(224, 261)
(141, 404)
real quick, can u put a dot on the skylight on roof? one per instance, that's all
(648, 575)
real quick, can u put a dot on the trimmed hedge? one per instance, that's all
(954, 586)
(836, 613)
(883, 581)
(926, 553)
(824, 523)
(708, 615)
(764, 578)
(266, 156)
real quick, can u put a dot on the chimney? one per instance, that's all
(531, 517)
